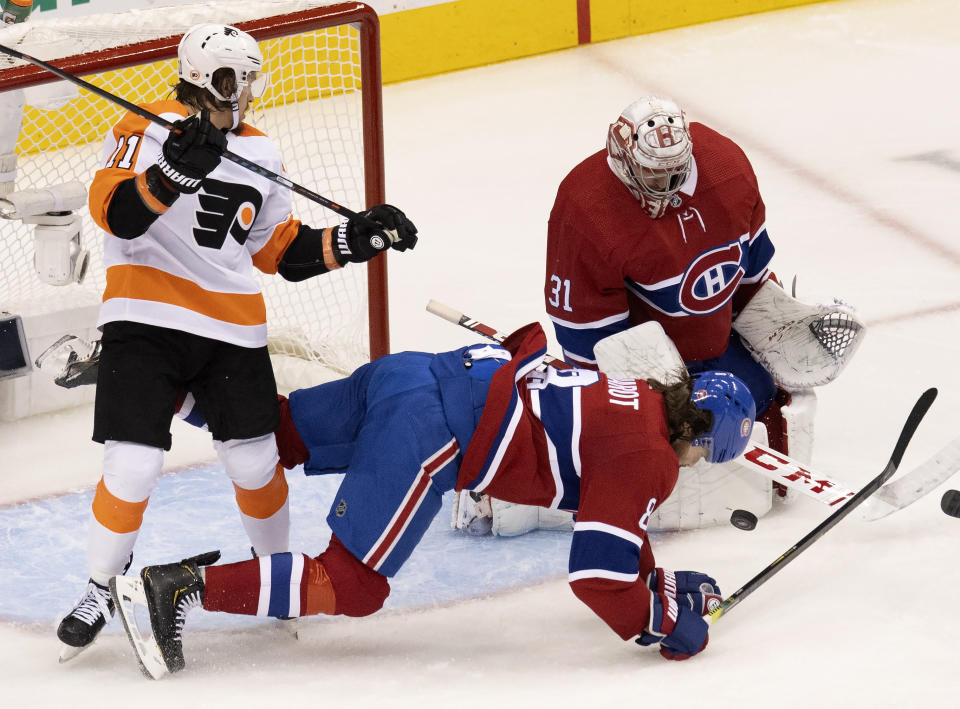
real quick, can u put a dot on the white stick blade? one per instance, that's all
(919, 482)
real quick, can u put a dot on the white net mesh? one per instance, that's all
(312, 110)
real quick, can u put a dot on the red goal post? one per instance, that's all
(323, 108)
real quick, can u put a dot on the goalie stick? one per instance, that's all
(782, 468)
(906, 433)
(906, 490)
(233, 157)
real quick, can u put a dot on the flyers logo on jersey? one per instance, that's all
(226, 208)
(711, 279)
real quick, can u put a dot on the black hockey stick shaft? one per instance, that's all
(154, 118)
(909, 428)
(457, 318)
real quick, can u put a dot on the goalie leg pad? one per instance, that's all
(511, 519)
(479, 515)
(472, 513)
(705, 495)
(798, 417)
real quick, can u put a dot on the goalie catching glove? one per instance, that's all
(678, 602)
(359, 240)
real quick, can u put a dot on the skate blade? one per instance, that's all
(68, 652)
(127, 595)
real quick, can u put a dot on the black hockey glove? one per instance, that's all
(359, 240)
(191, 151)
(402, 231)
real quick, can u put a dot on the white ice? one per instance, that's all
(849, 113)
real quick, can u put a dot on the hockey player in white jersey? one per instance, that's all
(182, 310)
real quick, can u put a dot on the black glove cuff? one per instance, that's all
(159, 187)
(358, 241)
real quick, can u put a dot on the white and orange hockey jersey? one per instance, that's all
(193, 268)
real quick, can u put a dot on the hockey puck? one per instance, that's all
(741, 519)
(950, 503)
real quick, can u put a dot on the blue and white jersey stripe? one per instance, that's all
(190, 412)
(760, 254)
(711, 279)
(280, 577)
(558, 406)
(509, 425)
(600, 550)
(579, 339)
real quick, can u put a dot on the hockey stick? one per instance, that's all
(457, 318)
(792, 474)
(894, 496)
(909, 428)
(233, 157)
(913, 485)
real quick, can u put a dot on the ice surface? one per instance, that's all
(848, 113)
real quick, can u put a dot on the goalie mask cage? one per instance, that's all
(322, 108)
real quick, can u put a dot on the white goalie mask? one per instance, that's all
(208, 47)
(650, 150)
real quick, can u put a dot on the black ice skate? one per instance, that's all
(169, 592)
(81, 626)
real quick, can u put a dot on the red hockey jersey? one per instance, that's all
(578, 440)
(610, 266)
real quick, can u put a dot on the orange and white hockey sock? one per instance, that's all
(261, 490)
(130, 473)
(265, 513)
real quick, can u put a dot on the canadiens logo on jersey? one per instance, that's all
(226, 208)
(711, 279)
(707, 285)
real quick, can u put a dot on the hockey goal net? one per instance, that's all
(322, 108)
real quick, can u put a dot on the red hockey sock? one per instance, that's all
(287, 585)
(359, 589)
(290, 585)
(289, 444)
(232, 588)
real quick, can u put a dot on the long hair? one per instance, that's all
(684, 420)
(195, 97)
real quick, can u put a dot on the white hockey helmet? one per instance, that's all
(208, 47)
(650, 150)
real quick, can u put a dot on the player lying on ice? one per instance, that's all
(410, 426)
